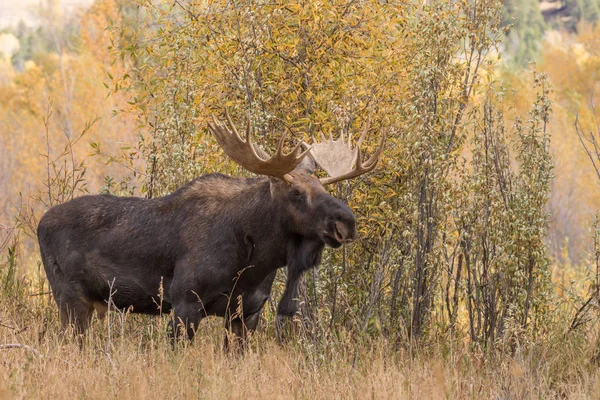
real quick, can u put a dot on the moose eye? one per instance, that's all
(297, 196)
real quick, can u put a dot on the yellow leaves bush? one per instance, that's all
(410, 68)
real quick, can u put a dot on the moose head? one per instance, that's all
(310, 211)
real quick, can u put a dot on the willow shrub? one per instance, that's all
(451, 225)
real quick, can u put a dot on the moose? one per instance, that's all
(213, 246)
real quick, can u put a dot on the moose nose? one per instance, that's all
(343, 233)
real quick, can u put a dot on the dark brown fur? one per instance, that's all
(214, 241)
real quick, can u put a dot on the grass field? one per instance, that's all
(129, 357)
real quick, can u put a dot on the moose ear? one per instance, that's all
(307, 164)
(273, 182)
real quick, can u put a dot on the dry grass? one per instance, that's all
(139, 363)
(130, 357)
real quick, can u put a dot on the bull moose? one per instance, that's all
(211, 247)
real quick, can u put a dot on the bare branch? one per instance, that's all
(588, 152)
(21, 346)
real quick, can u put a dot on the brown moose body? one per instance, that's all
(210, 248)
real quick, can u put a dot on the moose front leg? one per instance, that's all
(252, 304)
(186, 317)
(189, 311)
(302, 256)
(288, 305)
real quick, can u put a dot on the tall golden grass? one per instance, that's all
(129, 357)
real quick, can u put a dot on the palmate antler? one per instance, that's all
(244, 153)
(340, 160)
(336, 157)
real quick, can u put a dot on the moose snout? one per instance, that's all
(339, 225)
(343, 233)
(344, 227)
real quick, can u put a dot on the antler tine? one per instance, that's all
(298, 148)
(248, 130)
(244, 153)
(280, 144)
(232, 126)
(363, 133)
(248, 137)
(281, 141)
(357, 156)
(305, 152)
(375, 157)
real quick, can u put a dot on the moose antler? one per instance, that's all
(245, 153)
(340, 160)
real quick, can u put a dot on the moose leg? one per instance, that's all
(186, 317)
(237, 329)
(302, 256)
(253, 303)
(76, 312)
(288, 305)
(235, 334)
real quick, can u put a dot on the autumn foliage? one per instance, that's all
(476, 229)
